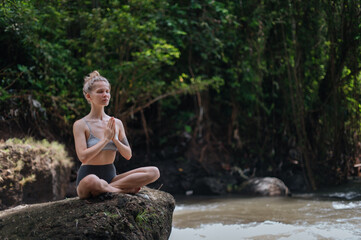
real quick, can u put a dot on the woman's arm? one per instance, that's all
(83, 152)
(120, 140)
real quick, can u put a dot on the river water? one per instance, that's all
(331, 214)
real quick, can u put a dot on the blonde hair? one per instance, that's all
(90, 80)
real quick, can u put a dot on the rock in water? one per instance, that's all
(144, 216)
(266, 186)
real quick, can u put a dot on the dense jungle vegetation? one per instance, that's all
(270, 88)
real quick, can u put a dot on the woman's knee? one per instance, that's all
(154, 173)
(85, 186)
(89, 180)
(90, 185)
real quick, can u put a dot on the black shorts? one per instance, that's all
(106, 172)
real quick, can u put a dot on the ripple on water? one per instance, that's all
(198, 207)
(346, 205)
(266, 230)
(344, 195)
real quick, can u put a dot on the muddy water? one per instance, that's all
(335, 214)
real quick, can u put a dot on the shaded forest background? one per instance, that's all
(204, 88)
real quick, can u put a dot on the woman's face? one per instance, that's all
(100, 94)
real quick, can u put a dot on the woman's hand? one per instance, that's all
(120, 140)
(109, 132)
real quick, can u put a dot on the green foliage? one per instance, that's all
(268, 71)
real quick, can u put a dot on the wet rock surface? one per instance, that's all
(264, 186)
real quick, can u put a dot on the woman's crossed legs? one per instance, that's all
(128, 182)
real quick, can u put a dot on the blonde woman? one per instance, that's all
(97, 139)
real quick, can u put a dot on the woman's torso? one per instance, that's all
(94, 132)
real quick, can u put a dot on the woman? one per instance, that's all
(97, 138)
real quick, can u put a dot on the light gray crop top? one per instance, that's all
(92, 140)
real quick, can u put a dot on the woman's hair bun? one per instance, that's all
(92, 75)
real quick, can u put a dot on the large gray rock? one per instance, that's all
(266, 186)
(144, 216)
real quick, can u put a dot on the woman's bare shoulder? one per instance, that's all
(80, 123)
(118, 121)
